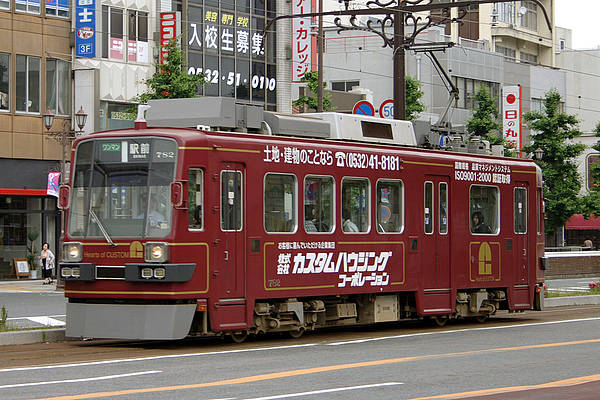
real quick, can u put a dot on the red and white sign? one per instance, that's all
(301, 40)
(116, 48)
(170, 29)
(511, 115)
(364, 107)
(386, 109)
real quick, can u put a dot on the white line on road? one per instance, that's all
(97, 378)
(36, 316)
(491, 328)
(47, 321)
(212, 353)
(342, 389)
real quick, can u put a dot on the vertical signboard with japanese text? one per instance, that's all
(301, 40)
(85, 28)
(511, 115)
(170, 29)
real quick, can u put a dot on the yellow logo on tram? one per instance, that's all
(485, 259)
(136, 250)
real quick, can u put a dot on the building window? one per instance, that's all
(468, 88)
(115, 116)
(137, 36)
(506, 12)
(529, 15)
(4, 81)
(30, 6)
(5, 4)
(508, 53)
(58, 8)
(58, 86)
(528, 58)
(593, 163)
(112, 33)
(562, 44)
(344, 86)
(28, 84)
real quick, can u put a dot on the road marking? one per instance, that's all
(315, 370)
(97, 378)
(125, 360)
(555, 384)
(47, 321)
(460, 331)
(213, 353)
(342, 389)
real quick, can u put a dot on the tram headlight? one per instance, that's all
(75, 272)
(72, 251)
(159, 273)
(156, 252)
(146, 273)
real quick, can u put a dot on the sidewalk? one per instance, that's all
(27, 286)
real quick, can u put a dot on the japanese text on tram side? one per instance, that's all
(359, 268)
(294, 155)
(480, 172)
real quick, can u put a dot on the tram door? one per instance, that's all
(230, 252)
(436, 251)
(521, 230)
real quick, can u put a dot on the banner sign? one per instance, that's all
(170, 29)
(53, 182)
(85, 28)
(511, 115)
(301, 40)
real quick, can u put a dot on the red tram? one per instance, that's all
(175, 232)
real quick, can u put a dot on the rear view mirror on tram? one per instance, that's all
(177, 194)
(64, 195)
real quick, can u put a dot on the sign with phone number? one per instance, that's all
(231, 78)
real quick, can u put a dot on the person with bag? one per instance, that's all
(47, 259)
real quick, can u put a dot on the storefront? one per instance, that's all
(28, 217)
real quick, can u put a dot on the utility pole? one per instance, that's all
(399, 66)
(320, 43)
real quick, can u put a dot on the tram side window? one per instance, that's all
(355, 205)
(231, 200)
(428, 217)
(390, 206)
(520, 210)
(484, 206)
(196, 199)
(280, 203)
(318, 204)
(443, 212)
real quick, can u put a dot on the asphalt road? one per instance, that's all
(509, 354)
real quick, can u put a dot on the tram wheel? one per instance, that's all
(481, 318)
(440, 320)
(296, 334)
(239, 337)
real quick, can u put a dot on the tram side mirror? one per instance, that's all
(178, 195)
(64, 196)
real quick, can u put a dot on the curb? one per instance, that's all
(58, 334)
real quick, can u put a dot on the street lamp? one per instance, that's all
(65, 138)
(539, 153)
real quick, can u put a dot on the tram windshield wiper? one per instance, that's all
(102, 229)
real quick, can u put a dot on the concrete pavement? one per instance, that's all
(54, 324)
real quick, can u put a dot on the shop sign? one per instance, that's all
(170, 29)
(301, 40)
(511, 115)
(85, 27)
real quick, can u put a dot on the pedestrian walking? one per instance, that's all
(47, 258)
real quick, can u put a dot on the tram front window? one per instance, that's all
(122, 186)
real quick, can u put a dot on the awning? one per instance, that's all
(578, 222)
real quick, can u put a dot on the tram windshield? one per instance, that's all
(121, 188)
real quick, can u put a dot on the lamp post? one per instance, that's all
(65, 138)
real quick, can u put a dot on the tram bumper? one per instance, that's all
(129, 321)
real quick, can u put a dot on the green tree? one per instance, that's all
(413, 98)
(311, 78)
(553, 132)
(171, 80)
(484, 121)
(591, 202)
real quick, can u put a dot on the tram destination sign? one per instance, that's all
(136, 150)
